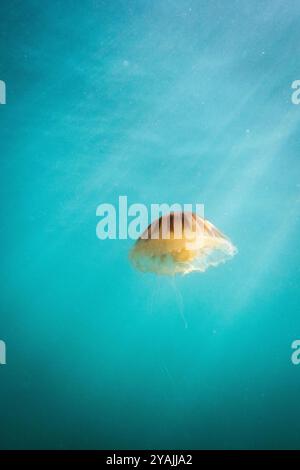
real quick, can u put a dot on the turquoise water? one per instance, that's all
(162, 101)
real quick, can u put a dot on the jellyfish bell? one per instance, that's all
(180, 242)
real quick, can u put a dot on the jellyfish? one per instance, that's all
(180, 243)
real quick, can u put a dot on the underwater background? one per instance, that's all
(163, 101)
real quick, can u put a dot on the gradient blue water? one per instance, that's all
(165, 101)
